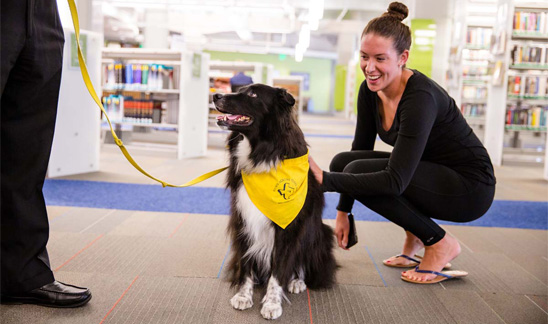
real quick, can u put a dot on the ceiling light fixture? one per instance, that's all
(304, 42)
(315, 13)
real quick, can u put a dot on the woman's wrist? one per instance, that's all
(342, 214)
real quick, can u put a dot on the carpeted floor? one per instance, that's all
(158, 255)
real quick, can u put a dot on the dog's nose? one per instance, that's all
(217, 96)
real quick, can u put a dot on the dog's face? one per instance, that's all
(251, 106)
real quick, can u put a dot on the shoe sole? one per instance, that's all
(32, 301)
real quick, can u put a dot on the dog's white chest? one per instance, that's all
(257, 227)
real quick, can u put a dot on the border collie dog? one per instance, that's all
(264, 134)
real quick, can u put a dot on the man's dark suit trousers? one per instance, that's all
(32, 42)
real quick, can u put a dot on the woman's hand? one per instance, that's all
(316, 170)
(342, 227)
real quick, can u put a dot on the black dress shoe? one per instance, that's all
(55, 294)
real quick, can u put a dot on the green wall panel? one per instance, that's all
(340, 85)
(422, 47)
(320, 71)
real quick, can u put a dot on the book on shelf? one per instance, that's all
(474, 92)
(528, 86)
(122, 109)
(529, 54)
(478, 37)
(533, 23)
(531, 116)
(138, 77)
(473, 110)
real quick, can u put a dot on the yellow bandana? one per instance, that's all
(280, 193)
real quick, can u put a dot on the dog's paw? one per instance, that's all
(271, 310)
(241, 301)
(296, 286)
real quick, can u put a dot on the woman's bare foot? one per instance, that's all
(435, 258)
(411, 246)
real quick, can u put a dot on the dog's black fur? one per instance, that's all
(273, 134)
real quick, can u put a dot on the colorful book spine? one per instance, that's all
(530, 22)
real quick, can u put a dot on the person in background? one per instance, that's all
(239, 80)
(32, 42)
(438, 168)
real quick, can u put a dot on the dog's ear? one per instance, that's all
(286, 97)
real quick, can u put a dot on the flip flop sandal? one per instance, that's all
(414, 262)
(441, 276)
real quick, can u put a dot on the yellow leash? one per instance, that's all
(89, 85)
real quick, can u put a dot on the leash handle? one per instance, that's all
(91, 90)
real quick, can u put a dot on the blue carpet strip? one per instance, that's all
(375, 264)
(203, 200)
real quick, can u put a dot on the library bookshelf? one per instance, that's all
(520, 84)
(146, 90)
(469, 66)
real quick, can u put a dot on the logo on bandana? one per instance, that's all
(286, 188)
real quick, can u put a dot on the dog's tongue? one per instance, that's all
(229, 117)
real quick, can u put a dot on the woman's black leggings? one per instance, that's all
(435, 191)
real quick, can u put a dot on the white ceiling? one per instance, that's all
(257, 24)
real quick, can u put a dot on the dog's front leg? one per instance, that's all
(297, 285)
(244, 298)
(272, 301)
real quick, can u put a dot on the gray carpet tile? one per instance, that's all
(78, 219)
(200, 226)
(188, 258)
(481, 277)
(364, 304)
(357, 267)
(56, 211)
(512, 274)
(524, 247)
(516, 241)
(540, 301)
(18, 314)
(114, 254)
(541, 235)
(467, 307)
(108, 222)
(167, 300)
(533, 264)
(150, 224)
(196, 248)
(474, 239)
(62, 246)
(516, 309)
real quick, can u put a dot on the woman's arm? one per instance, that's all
(417, 117)
(342, 226)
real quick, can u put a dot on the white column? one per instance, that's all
(496, 103)
(546, 159)
(440, 12)
(156, 29)
(347, 45)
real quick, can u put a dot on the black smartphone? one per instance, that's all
(352, 236)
